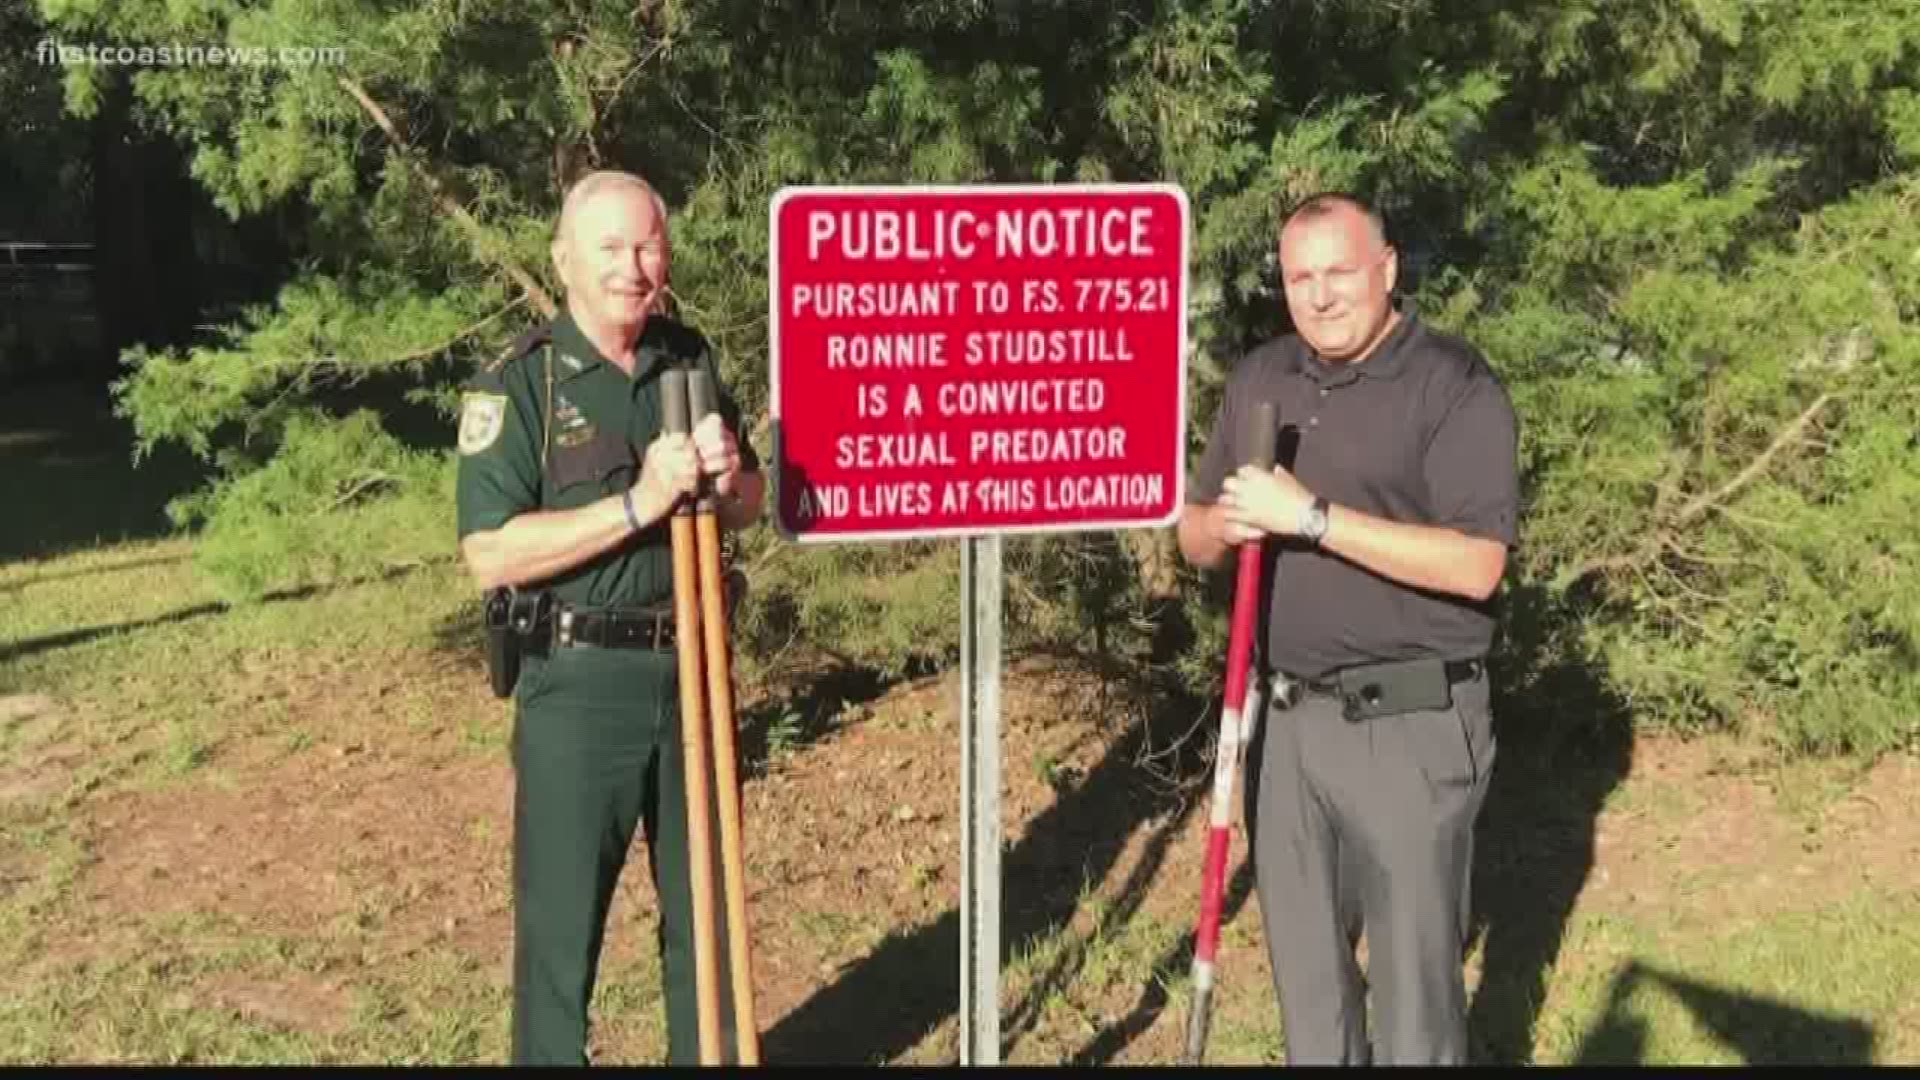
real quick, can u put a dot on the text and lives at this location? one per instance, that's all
(961, 360)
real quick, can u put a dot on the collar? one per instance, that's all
(574, 355)
(1388, 360)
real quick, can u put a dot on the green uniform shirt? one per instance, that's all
(554, 399)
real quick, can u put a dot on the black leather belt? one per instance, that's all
(1458, 671)
(614, 628)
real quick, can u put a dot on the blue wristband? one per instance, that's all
(626, 503)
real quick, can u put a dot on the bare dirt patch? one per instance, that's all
(374, 838)
(23, 709)
(303, 1005)
(1696, 826)
(373, 842)
(383, 840)
(38, 763)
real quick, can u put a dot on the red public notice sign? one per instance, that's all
(968, 360)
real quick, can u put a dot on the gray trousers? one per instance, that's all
(1368, 825)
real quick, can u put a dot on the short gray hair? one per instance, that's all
(596, 182)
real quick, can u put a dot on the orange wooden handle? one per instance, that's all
(693, 741)
(719, 669)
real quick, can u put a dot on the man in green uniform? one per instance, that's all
(567, 480)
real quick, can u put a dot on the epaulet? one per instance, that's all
(521, 346)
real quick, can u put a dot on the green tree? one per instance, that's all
(43, 160)
(1699, 277)
(1682, 229)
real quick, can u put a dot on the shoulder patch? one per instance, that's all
(482, 416)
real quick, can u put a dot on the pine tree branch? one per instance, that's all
(1664, 532)
(436, 349)
(1787, 435)
(366, 482)
(488, 248)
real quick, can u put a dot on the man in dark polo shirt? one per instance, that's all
(1393, 527)
(566, 483)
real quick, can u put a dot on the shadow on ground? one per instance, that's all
(803, 713)
(1762, 1030)
(1564, 742)
(103, 568)
(14, 650)
(1175, 963)
(909, 984)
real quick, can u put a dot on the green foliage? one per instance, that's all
(1728, 460)
(1681, 229)
(322, 333)
(340, 500)
(861, 607)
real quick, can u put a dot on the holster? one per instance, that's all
(511, 617)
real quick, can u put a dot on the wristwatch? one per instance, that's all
(1313, 520)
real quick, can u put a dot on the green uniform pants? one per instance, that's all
(596, 750)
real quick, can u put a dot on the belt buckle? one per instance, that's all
(563, 627)
(1287, 690)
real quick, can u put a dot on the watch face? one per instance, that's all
(1316, 522)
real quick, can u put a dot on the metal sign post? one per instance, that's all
(980, 611)
(967, 362)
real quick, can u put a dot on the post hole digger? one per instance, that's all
(1240, 708)
(707, 736)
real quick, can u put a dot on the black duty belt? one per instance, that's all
(614, 628)
(1458, 671)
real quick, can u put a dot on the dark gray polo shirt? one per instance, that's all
(1421, 431)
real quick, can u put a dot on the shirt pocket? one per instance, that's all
(584, 472)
